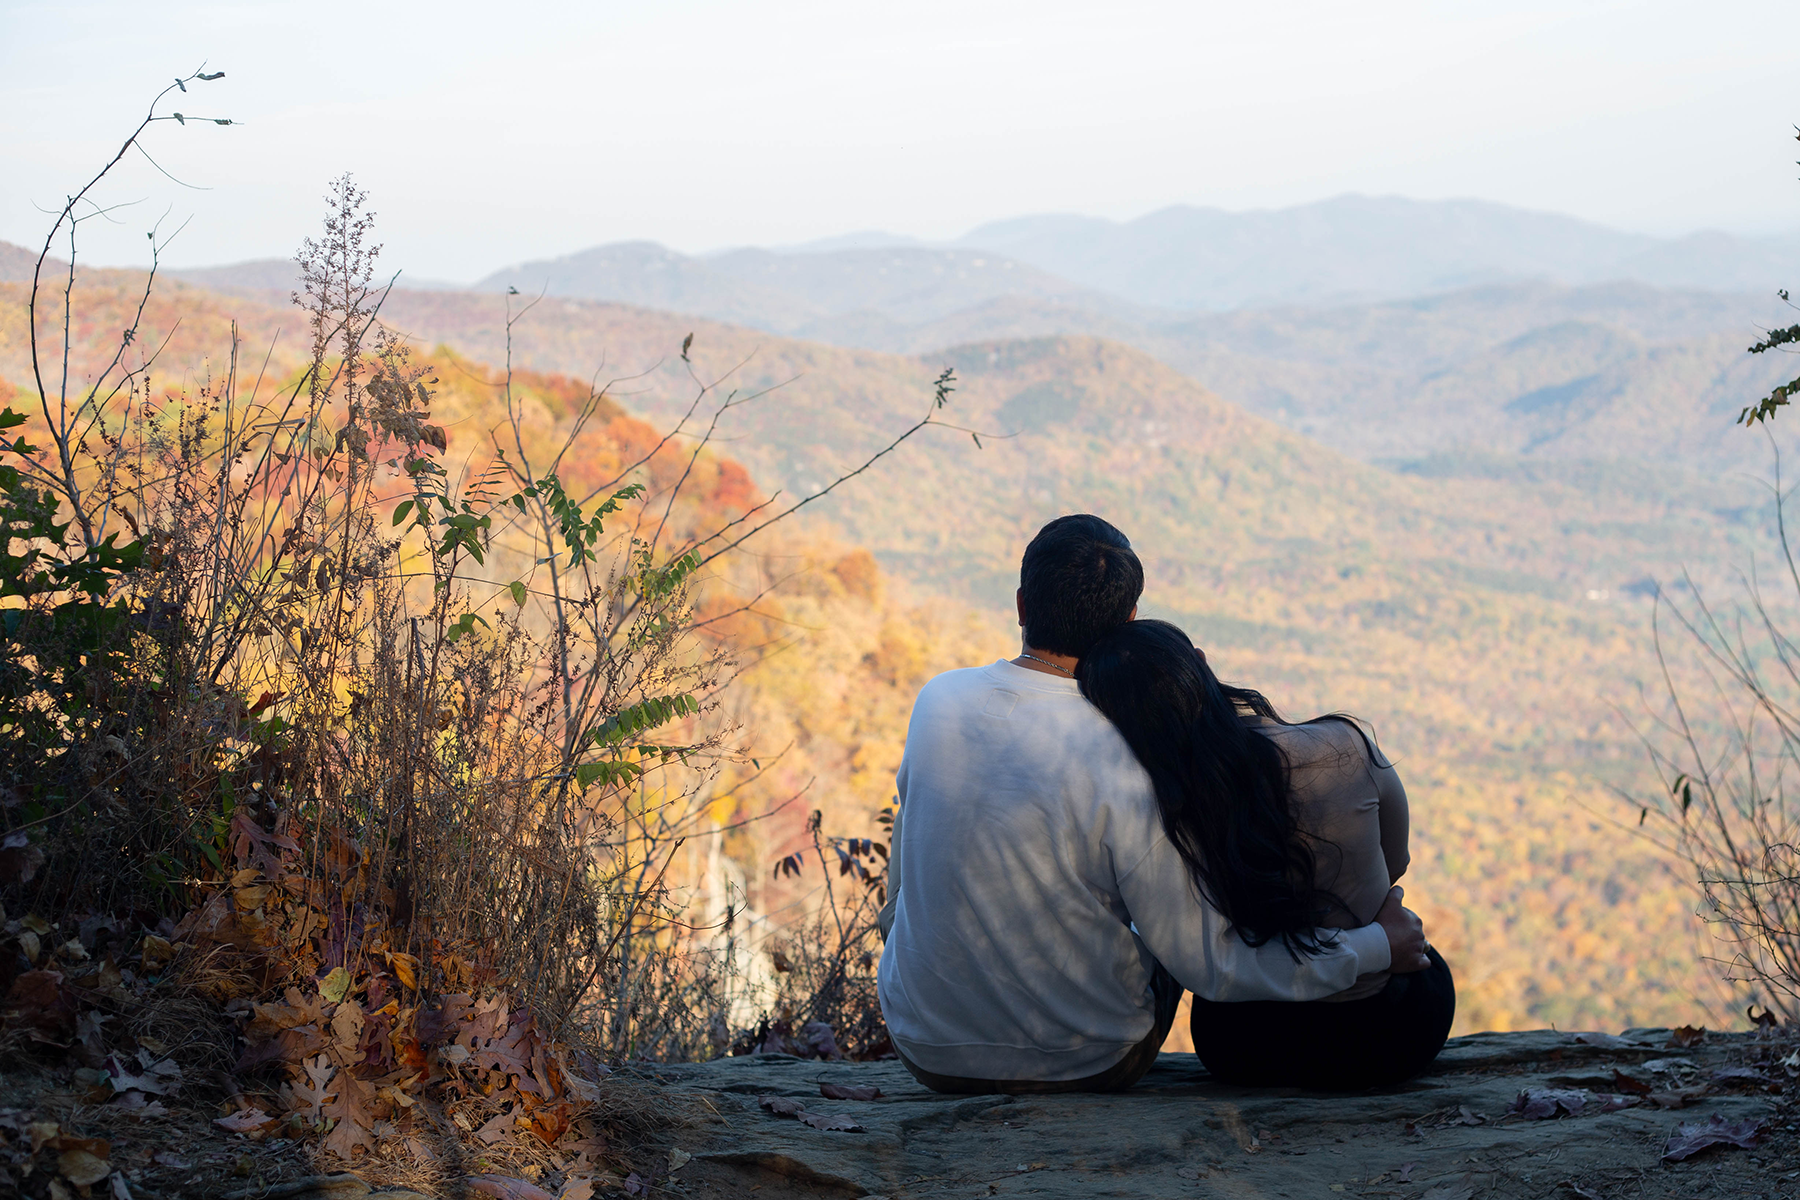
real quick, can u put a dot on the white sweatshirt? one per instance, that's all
(1028, 846)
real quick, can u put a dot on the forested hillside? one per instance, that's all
(1488, 615)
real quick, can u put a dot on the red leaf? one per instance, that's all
(844, 1091)
(782, 1106)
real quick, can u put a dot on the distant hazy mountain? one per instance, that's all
(878, 289)
(260, 275)
(1520, 367)
(16, 263)
(791, 292)
(1367, 247)
(862, 239)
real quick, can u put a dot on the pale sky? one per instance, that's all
(487, 134)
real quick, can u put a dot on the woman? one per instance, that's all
(1283, 828)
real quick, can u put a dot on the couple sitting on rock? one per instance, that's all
(1090, 828)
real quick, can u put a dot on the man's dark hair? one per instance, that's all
(1079, 579)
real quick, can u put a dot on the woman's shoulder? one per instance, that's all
(1324, 742)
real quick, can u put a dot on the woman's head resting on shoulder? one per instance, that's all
(1222, 788)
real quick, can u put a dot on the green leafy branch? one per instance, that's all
(579, 533)
(617, 735)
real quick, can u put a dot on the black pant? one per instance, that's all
(1122, 1074)
(1343, 1046)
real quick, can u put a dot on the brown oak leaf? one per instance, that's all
(350, 1109)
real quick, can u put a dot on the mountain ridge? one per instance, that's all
(1345, 249)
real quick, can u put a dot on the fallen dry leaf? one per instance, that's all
(248, 1121)
(19, 859)
(782, 1106)
(347, 1024)
(829, 1121)
(38, 1001)
(335, 986)
(82, 1168)
(579, 1187)
(1626, 1083)
(154, 952)
(820, 1040)
(1740, 1075)
(1462, 1190)
(135, 1104)
(405, 968)
(158, 1077)
(1686, 1037)
(1672, 1099)
(1691, 1137)
(1541, 1104)
(505, 1187)
(844, 1091)
(497, 1127)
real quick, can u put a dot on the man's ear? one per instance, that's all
(1019, 602)
(1133, 615)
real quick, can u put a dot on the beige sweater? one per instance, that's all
(1353, 813)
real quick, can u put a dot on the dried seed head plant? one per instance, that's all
(416, 739)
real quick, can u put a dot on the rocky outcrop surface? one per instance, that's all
(1535, 1114)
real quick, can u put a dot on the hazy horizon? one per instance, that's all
(875, 238)
(487, 139)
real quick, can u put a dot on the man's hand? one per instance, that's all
(1405, 934)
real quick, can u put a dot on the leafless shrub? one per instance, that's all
(380, 706)
(1724, 738)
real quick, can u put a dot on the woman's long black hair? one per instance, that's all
(1222, 787)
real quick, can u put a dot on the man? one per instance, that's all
(1040, 926)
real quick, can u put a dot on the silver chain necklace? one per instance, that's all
(1046, 662)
